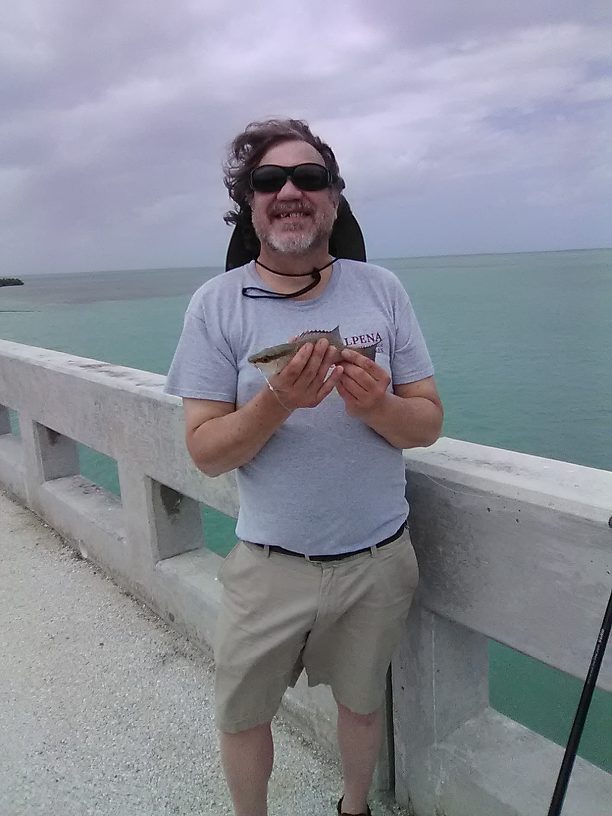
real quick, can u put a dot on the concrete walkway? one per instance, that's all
(104, 710)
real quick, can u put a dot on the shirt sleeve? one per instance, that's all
(203, 366)
(410, 361)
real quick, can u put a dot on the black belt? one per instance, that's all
(339, 556)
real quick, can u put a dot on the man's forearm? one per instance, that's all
(227, 442)
(406, 422)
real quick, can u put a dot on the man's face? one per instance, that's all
(292, 220)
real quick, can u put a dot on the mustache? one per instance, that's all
(284, 209)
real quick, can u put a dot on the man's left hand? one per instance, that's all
(363, 385)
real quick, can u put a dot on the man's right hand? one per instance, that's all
(302, 383)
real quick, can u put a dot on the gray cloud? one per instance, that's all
(459, 127)
(445, 22)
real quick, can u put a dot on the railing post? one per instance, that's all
(440, 680)
(159, 521)
(5, 424)
(384, 773)
(178, 526)
(47, 455)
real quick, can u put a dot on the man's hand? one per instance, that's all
(410, 417)
(302, 383)
(221, 437)
(363, 385)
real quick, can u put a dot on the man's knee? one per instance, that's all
(358, 719)
(245, 733)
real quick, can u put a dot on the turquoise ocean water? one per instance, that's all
(522, 345)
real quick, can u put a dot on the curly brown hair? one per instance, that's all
(244, 155)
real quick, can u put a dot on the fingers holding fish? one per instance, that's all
(303, 382)
(296, 364)
(314, 374)
(329, 383)
(306, 364)
(364, 372)
(318, 363)
(363, 384)
(359, 401)
(358, 359)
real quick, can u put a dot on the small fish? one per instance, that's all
(273, 359)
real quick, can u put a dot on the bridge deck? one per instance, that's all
(104, 709)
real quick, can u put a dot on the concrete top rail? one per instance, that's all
(510, 546)
(89, 401)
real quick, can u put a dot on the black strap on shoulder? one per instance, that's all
(346, 240)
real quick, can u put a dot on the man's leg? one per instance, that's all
(247, 759)
(359, 739)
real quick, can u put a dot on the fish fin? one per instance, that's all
(313, 335)
(323, 332)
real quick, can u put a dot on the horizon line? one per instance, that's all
(372, 260)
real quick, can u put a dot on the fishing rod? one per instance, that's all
(581, 713)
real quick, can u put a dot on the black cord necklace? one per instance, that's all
(316, 274)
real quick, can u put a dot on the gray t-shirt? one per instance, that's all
(325, 482)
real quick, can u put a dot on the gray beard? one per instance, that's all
(298, 242)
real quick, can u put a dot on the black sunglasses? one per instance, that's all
(270, 178)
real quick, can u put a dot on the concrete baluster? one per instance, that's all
(11, 458)
(440, 680)
(384, 773)
(47, 455)
(159, 522)
(5, 425)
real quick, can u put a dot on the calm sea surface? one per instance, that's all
(522, 345)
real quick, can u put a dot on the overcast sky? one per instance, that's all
(460, 126)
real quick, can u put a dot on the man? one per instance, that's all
(324, 572)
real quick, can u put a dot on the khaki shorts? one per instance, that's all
(338, 620)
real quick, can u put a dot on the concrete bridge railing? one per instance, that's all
(511, 547)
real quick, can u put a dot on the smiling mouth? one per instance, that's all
(291, 215)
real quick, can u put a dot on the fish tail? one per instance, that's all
(367, 351)
(335, 334)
